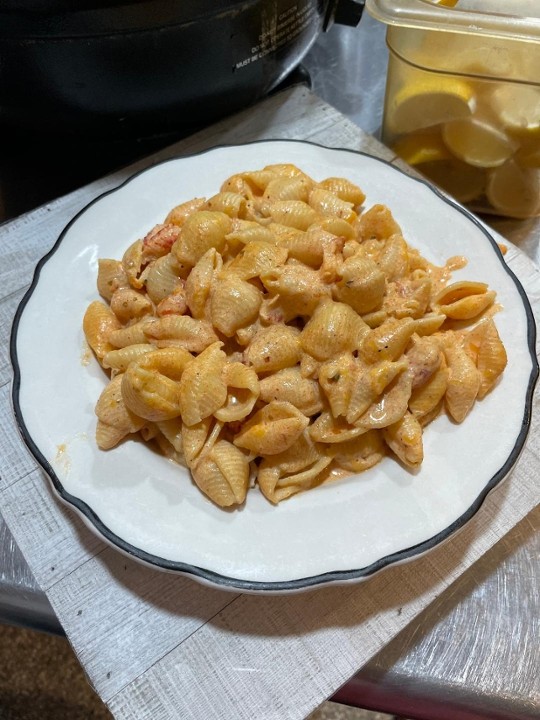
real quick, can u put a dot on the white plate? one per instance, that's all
(148, 507)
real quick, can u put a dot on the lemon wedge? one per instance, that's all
(461, 181)
(478, 143)
(514, 191)
(446, 3)
(420, 148)
(430, 101)
(517, 108)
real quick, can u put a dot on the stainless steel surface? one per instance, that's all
(348, 70)
(475, 653)
(21, 600)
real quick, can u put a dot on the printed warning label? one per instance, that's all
(282, 29)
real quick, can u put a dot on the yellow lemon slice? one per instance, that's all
(463, 182)
(446, 3)
(517, 107)
(478, 143)
(514, 191)
(421, 147)
(429, 101)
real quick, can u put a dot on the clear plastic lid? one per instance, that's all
(497, 18)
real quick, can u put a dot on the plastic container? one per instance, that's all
(463, 97)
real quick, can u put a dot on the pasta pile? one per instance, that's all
(279, 334)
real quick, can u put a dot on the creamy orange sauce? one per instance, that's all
(440, 275)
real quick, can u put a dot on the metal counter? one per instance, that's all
(474, 654)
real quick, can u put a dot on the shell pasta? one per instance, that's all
(279, 335)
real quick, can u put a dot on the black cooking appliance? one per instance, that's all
(125, 67)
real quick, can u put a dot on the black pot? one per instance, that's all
(121, 68)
